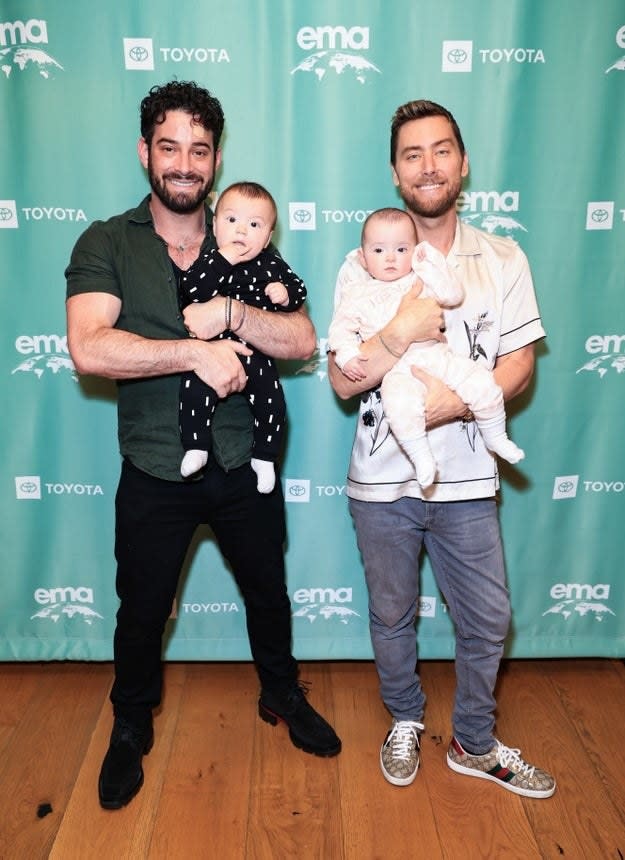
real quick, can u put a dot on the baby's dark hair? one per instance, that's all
(186, 96)
(253, 191)
(391, 215)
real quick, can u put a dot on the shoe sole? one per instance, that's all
(273, 719)
(119, 803)
(398, 780)
(122, 801)
(480, 774)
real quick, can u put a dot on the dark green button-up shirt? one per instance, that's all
(124, 257)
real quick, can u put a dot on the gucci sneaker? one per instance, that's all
(503, 766)
(399, 754)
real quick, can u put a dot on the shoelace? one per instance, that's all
(512, 758)
(403, 738)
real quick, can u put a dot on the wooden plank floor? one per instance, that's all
(220, 783)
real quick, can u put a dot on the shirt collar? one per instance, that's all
(465, 242)
(143, 214)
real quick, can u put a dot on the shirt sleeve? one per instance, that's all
(91, 268)
(521, 322)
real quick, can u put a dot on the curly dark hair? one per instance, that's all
(186, 96)
(419, 109)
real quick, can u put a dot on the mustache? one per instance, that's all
(177, 174)
(428, 178)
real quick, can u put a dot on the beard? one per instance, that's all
(181, 202)
(431, 208)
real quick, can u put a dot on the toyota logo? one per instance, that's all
(302, 216)
(138, 53)
(565, 486)
(599, 215)
(5, 214)
(297, 490)
(28, 487)
(457, 56)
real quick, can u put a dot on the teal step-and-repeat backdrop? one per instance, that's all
(308, 88)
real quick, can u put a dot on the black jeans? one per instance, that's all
(155, 521)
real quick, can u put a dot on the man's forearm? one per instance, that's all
(378, 362)
(514, 371)
(116, 354)
(280, 335)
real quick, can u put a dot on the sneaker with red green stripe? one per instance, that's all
(503, 766)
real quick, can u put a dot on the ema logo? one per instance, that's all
(333, 49)
(490, 211)
(28, 487)
(565, 487)
(296, 490)
(609, 352)
(16, 53)
(619, 65)
(139, 55)
(457, 56)
(326, 603)
(46, 352)
(600, 215)
(8, 214)
(67, 601)
(581, 599)
(302, 216)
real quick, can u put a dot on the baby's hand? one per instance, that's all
(277, 293)
(234, 252)
(354, 369)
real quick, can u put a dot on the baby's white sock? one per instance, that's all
(192, 462)
(265, 473)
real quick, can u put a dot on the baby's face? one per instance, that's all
(387, 249)
(245, 222)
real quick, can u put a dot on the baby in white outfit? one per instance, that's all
(384, 270)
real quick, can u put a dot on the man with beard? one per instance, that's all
(455, 519)
(124, 323)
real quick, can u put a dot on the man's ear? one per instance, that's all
(268, 240)
(143, 150)
(465, 166)
(361, 258)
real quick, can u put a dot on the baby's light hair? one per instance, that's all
(391, 215)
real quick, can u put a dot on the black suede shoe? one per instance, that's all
(307, 729)
(121, 776)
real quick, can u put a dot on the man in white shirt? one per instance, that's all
(456, 518)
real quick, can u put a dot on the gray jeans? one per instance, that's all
(463, 542)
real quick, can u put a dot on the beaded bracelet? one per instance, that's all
(228, 312)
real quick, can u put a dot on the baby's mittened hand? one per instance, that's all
(277, 293)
